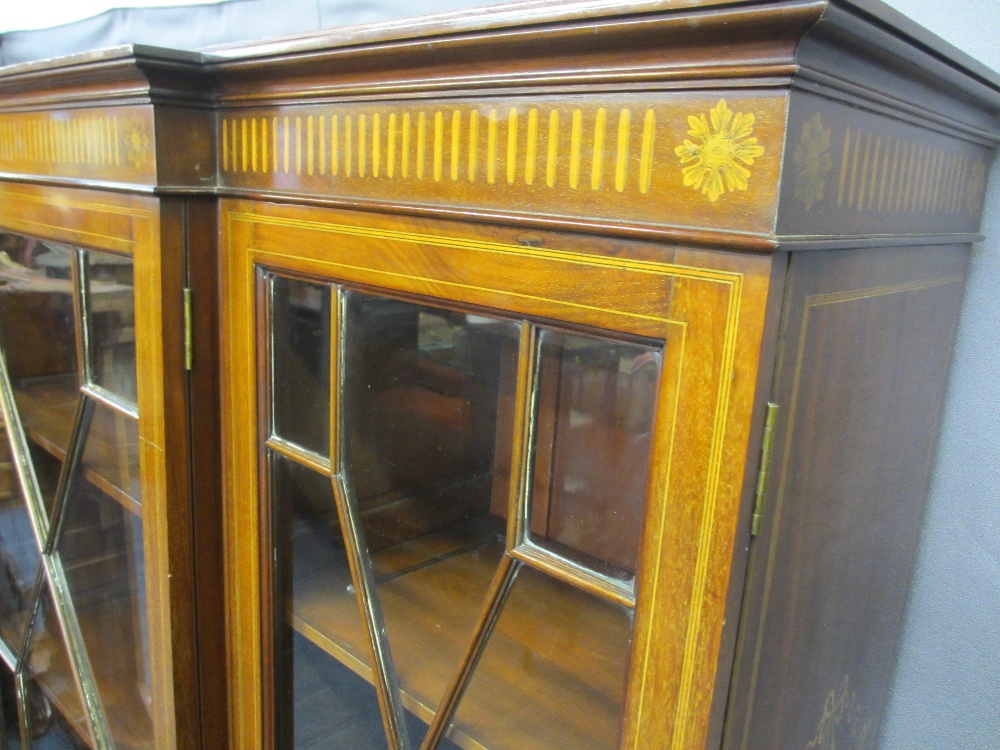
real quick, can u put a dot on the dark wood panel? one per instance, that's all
(862, 368)
(166, 467)
(185, 148)
(202, 278)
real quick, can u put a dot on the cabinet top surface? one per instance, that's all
(541, 16)
(530, 13)
(742, 123)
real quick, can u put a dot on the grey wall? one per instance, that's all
(947, 690)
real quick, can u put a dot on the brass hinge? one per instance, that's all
(765, 468)
(188, 330)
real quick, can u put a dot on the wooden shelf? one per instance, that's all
(110, 650)
(553, 672)
(108, 622)
(48, 406)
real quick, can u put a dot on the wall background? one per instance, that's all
(947, 688)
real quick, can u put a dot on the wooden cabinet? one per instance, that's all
(111, 617)
(580, 369)
(585, 367)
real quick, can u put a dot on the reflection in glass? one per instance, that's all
(97, 568)
(52, 693)
(51, 730)
(427, 410)
(300, 361)
(333, 707)
(111, 322)
(111, 458)
(102, 554)
(592, 445)
(425, 394)
(19, 561)
(47, 469)
(553, 672)
(322, 647)
(37, 333)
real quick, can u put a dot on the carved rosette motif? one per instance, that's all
(136, 144)
(722, 149)
(812, 162)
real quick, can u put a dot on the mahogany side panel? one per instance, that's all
(862, 367)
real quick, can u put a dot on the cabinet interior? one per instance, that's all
(68, 334)
(408, 408)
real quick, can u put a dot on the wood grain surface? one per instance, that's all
(860, 384)
(711, 315)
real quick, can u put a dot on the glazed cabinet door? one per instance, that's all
(74, 627)
(457, 469)
(84, 540)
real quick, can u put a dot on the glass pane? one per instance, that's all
(427, 418)
(55, 707)
(37, 332)
(111, 322)
(592, 445)
(300, 357)
(19, 557)
(552, 674)
(50, 731)
(47, 470)
(102, 555)
(323, 663)
(333, 708)
(111, 458)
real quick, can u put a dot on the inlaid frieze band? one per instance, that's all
(850, 172)
(113, 144)
(882, 172)
(408, 146)
(609, 159)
